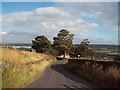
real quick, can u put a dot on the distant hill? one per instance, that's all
(104, 46)
(18, 44)
(93, 46)
(101, 46)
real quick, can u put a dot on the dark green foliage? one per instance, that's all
(117, 58)
(53, 52)
(63, 42)
(83, 48)
(24, 49)
(73, 52)
(118, 49)
(41, 44)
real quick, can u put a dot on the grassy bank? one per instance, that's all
(22, 67)
(100, 74)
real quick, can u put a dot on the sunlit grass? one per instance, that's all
(20, 74)
(19, 57)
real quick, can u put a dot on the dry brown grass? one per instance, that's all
(14, 76)
(14, 56)
(97, 73)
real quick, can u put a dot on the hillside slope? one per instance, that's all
(19, 68)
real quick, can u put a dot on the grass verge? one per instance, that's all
(17, 73)
(104, 77)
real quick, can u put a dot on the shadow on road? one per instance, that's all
(60, 69)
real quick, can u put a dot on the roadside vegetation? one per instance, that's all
(22, 67)
(102, 73)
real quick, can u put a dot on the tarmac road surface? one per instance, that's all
(56, 76)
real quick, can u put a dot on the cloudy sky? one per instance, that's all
(23, 21)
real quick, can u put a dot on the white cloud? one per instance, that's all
(49, 20)
(2, 33)
(106, 11)
(18, 18)
(45, 17)
(51, 12)
(45, 20)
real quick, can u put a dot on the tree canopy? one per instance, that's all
(81, 50)
(41, 44)
(63, 42)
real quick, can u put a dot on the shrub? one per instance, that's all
(117, 58)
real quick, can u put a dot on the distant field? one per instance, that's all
(23, 48)
(22, 67)
(101, 51)
(29, 47)
(105, 52)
